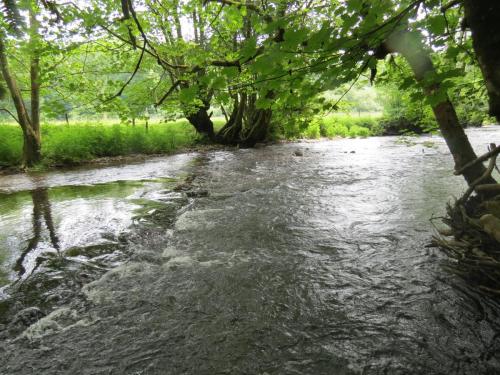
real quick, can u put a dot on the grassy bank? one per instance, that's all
(338, 125)
(79, 142)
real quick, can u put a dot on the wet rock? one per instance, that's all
(197, 193)
(353, 152)
(259, 145)
(298, 153)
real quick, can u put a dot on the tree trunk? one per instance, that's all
(257, 121)
(31, 144)
(409, 45)
(257, 132)
(230, 133)
(34, 73)
(202, 122)
(482, 18)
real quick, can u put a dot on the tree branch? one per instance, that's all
(494, 151)
(170, 91)
(137, 66)
(450, 5)
(11, 114)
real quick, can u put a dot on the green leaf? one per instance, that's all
(407, 83)
(249, 48)
(294, 37)
(231, 72)
(437, 24)
(437, 97)
(187, 95)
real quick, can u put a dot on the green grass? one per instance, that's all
(11, 143)
(343, 125)
(75, 143)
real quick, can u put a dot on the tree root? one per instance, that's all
(472, 238)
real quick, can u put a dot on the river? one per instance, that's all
(251, 261)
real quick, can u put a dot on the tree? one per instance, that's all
(28, 120)
(482, 18)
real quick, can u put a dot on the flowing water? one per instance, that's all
(261, 262)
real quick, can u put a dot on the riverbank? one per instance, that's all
(89, 144)
(76, 144)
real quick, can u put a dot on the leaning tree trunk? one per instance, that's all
(482, 18)
(31, 131)
(409, 45)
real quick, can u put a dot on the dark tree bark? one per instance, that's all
(482, 18)
(202, 122)
(247, 124)
(410, 46)
(231, 131)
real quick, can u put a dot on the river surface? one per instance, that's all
(242, 262)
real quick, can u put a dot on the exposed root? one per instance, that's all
(473, 237)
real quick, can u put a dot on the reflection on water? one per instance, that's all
(41, 212)
(272, 264)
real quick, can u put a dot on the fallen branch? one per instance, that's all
(488, 188)
(494, 151)
(484, 176)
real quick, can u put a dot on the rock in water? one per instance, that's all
(491, 225)
(298, 153)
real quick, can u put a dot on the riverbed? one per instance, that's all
(297, 258)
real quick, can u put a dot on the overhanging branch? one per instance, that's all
(11, 114)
